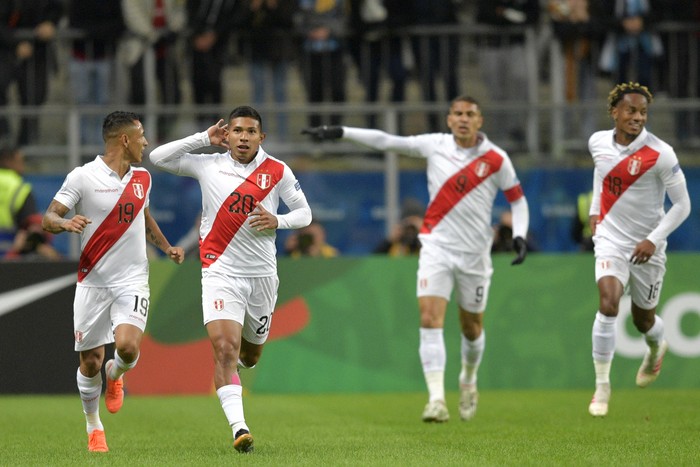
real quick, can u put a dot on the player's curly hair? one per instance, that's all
(621, 89)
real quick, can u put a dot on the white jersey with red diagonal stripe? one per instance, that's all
(228, 245)
(633, 181)
(462, 184)
(94, 191)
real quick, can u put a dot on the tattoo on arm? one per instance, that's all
(152, 237)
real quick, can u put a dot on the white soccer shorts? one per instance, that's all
(644, 280)
(97, 311)
(250, 301)
(439, 269)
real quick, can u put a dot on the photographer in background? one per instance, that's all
(403, 240)
(310, 241)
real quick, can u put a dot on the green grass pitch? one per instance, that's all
(644, 427)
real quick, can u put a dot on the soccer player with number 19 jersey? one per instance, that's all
(465, 172)
(241, 191)
(634, 170)
(112, 216)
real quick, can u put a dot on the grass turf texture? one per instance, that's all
(643, 427)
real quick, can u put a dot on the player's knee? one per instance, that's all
(128, 351)
(250, 355)
(226, 351)
(643, 322)
(609, 306)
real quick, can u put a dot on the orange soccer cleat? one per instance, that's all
(97, 441)
(114, 396)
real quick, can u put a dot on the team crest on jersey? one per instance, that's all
(634, 165)
(138, 190)
(482, 169)
(264, 181)
(219, 304)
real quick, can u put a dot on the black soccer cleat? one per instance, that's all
(243, 441)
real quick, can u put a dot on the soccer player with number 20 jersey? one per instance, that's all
(110, 198)
(634, 170)
(241, 191)
(465, 172)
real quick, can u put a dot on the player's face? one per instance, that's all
(244, 138)
(630, 116)
(465, 120)
(137, 143)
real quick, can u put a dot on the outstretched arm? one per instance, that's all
(373, 139)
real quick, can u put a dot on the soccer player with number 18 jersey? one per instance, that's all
(465, 173)
(241, 191)
(634, 170)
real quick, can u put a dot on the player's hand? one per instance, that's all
(643, 252)
(261, 219)
(321, 133)
(76, 224)
(520, 247)
(177, 254)
(218, 134)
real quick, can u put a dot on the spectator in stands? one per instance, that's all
(270, 46)
(210, 23)
(310, 241)
(502, 59)
(323, 27)
(91, 64)
(435, 55)
(21, 236)
(155, 25)
(403, 240)
(580, 28)
(375, 45)
(27, 28)
(631, 46)
(682, 52)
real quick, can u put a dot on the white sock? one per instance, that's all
(472, 352)
(602, 372)
(231, 400)
(90, 390)
(432, 356)
(655, 335)
(603, 346)
(120, 366)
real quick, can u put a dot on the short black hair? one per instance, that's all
(115, 122)
(465, 98)
(246, 111)
(621, 89)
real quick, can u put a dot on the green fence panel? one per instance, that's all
(361, 331)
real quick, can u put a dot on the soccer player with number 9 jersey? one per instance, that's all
(465, 173)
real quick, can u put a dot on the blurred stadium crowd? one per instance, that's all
(540, 68)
